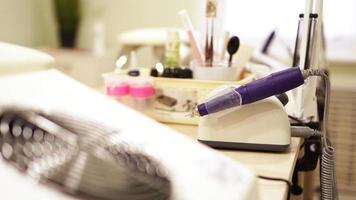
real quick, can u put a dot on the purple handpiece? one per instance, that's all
(273, 84)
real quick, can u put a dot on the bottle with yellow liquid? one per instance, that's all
(172, 56)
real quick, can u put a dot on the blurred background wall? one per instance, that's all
(28, 22)
(123, 15)
(32, 22)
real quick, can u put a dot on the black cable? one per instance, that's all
(289, 184)
(296, 119)
(328, 184)
(301, 123)
(302, 145)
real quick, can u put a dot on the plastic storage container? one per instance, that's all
(117, 87)
(142, 95)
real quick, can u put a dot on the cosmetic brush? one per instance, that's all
(209, 40)
(232, 47)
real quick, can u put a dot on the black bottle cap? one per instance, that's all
(176, 72)
(167, 72)
(134, 72)
(154, 72)
(187, 73)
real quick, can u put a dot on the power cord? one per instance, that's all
(296, 119)
(328, 184)
(304, 132)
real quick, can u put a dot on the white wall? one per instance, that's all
(32, 22)
(27, 22)
(122, 15)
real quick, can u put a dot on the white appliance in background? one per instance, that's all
(17, 59)
(261, 126)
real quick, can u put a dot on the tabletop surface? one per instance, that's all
(278, 165)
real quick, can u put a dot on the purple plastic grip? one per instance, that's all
(273, 84)
(219, 103)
